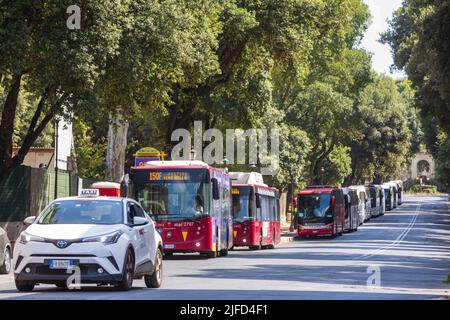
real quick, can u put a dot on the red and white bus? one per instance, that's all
(321, 211)
(106, 188)
(190, 202)
(256, 211)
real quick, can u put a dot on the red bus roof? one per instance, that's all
(317, 190)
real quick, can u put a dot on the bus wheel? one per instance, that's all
(224, 252)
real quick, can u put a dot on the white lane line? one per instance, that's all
(399, 239)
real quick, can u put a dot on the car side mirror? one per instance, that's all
(215, 189)
(139, 221)
(29, 220)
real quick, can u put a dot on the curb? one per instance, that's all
(286, 238)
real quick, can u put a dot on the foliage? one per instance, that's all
(443, 161)
(90, 155)
(294, 146)
(419, 36)
(288, 65)
(381, 116)
(338, 166)
(55, 65)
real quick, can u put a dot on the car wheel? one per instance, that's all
(154, 280)
(6, 267)
(24, 286)
(127, 273)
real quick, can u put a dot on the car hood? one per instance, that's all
(70, 231)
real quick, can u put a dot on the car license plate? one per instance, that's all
(61, 264)
(169, 246)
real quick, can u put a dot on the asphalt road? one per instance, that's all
(408, 248)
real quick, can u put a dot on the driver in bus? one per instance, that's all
(198, 205)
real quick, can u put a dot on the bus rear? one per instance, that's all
(190, 203)
(256, 218)
(321, 211)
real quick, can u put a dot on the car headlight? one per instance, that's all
(105, 239)
(26, 237)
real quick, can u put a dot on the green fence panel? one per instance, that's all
(15, 195)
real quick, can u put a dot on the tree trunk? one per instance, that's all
(7, 127)
(7, 162)
(117, 143)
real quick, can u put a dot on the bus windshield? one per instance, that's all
(171, 195)
(314, 207)
(242, 204)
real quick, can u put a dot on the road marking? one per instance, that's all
(399, 239)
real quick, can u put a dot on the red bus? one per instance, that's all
(105, 188)
(190, 203)
(256, 212)
(321, 211)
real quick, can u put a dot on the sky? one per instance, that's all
(381, 11)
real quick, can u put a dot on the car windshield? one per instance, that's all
(242, 204)
(175, 195)
(82, 212)
(311, 207)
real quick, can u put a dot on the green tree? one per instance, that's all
(443, 162)
(55, 65)
(379, 151)
(324, 115)
(90, 154)
(419, 34)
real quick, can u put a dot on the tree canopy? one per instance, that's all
(295, 66)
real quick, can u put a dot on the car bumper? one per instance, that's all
(88, 273)
(35, 258)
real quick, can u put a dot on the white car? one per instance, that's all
(110, 239)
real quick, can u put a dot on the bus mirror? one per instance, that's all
(215, 189)
(124, 186)
(258, 201)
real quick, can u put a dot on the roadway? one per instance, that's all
(404, 254)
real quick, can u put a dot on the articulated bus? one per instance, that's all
(190, 202)
(256, 212)
(321, 211)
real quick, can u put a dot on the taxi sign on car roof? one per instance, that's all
(89, 193)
